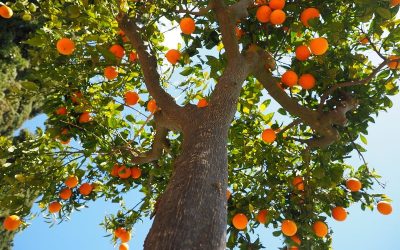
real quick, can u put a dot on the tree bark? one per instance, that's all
(191, 213)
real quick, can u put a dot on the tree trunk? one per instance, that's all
(191, 213)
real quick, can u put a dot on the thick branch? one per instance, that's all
(148, 62)
(239, 9)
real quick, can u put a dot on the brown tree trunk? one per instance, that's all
(192, 212)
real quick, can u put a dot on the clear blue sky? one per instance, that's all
(362, 230)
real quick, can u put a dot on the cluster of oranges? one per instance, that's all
(65, 194)
(272, 12)
(124, 172)
(125, 236)
(290, 79)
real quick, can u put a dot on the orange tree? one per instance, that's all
(190, 126)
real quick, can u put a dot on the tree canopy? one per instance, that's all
(122, 108)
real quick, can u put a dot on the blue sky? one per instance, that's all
(362, 229)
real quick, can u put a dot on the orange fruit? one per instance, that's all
(71, 181)
(67, 141)
(117, 50)
(173, 56)
(240, 221)
(307, 81)
(319, 46)
(132, 56)
(131, 98)
(289, 78)
(262, 216)
(124, 246)
(353, 184)
(289, 227)
(260, 2)
(202, 103)
(187, 25)
(277, 17)
(364, 40)
(277, 4)
(384, 207)
(125, 236)
(308, 14)
(394, 3)
(54, 207)
(124, 172)
(302, 53)
(85, 189)
(320, 229)
(12, 222)
(61, 111)
(228, 194)
(64, 131)
(268, 135)
(298, 183)
(339, 213)
(136, 172)
(263, 14)
(152, 106)
(65, 194)
(114, 170)
(119, 231)
(65, 46)
(84, 117)
(6, 12)
(239, 32)
(296, 239)
(394, 65)
(110, 73)
(76, 97)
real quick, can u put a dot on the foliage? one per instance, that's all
(260, 174)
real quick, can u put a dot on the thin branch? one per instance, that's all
(291, 125)
(201, 12)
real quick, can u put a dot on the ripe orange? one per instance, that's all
(277, 17)
(114, 170)
(394, 65)
(187, 25)
(364, 40)
(136, 172)
(12, 222)
(61, 111)
(239, 32)
(110, 73)
(131, 98)
(124, 172)
(319, 46)
(65, 194)
(289, 227)
(202, 103)
(117, 50)
(133, 56)
(339, 213)
(302, 53)
(119, 231)
(384, 207)
(173, 56)
(125, 236)
(228, 194)
(277, 4)
(394, 3)
(240, 221)
(152, 106)
(54, 207)
(124, 246)
(65, 46)
(298, 183)
(308, 14)
(67, 141)
(5, 11)
(307, 81)
(85, 189)
(320, 229)
(296, 239)
(71, 181)
(84, 117)
(262, 216)
(353, 184)
(289, 78)
(76, 97)
(263, 14)
(268, 135)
